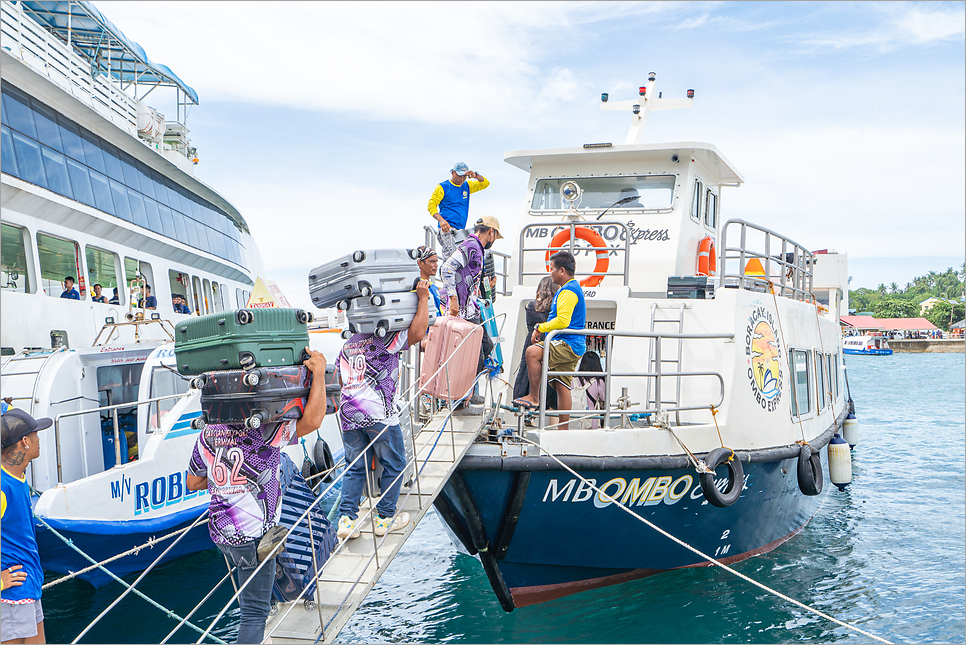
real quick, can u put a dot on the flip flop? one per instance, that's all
(526, 405)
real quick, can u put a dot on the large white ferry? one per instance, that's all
(99, 186)
(716, 339)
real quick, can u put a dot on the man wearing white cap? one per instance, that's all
(21, 576)
(450, 205)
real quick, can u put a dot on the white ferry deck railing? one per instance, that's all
(502, 271)
(573, 248)
(787, 264)
(117, 436)
(609, 374)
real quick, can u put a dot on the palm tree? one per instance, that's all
(893, 288)
(881, 289)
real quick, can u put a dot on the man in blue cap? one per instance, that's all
(21, 576)
(450, 205)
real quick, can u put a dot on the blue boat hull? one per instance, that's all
(568, 539)
(102, 540)
(870, 352)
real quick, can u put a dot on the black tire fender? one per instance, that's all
(323, 460)
(810, 479)
(736, 478)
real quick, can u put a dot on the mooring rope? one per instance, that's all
(167, 611)
(687, 546)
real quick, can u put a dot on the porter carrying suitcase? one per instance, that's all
(446, 346)
(363, 273)
(241, 338)
(384, 313)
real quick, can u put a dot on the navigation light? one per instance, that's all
(642, 90)
(603, 97)
(637, 109)
(651, 76)
(690, 94)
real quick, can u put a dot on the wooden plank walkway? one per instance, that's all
(352, 571)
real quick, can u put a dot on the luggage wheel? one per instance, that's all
(246, 360)
(365, 288)
(197, 382)
(346, 334)
(304, 356)
(254, 422)
(309, 604)
(244, 317)
(303, 316)
(358, 256)
(199, 422)
(381, 332)
(414, 254)
(377, 300)
(252, 378)
(342, 305)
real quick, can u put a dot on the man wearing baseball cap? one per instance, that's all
(21, 576)
(450, 205)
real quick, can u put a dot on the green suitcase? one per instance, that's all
(241, 339)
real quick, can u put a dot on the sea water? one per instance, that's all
(886, 555)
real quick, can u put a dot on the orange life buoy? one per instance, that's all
(587, 235)
(707, 259)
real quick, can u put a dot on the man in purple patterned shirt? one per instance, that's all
(369, 373)
(239, 467)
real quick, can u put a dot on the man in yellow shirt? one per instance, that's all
(450, 205)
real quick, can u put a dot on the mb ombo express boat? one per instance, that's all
(871, 345)
(99, 186)
(714, 342)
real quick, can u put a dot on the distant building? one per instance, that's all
(956, 329)
(894, 327)
(929, 303)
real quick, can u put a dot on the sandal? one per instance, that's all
(526, 405)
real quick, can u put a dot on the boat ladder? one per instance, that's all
(666, 316)
(352, 571)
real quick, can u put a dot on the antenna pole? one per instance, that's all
(641, 107)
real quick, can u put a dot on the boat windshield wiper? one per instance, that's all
(619, 202)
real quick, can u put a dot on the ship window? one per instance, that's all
(167, 223)
(653, 192)
(178, 282)
(191, 232)
(59, 258)
(133, 268)
(820, 380)
(47, 131)
(130, 172)
(122, 208)
(144, 178)
(200, 234)
(7, 155)
(56, 166)
(92, 153)
(238, 298)
(209, 297)
(829, 378)
(102, 192)
(711, 210)
(118, 383)
(13, 259)
(3, 108)
(801, 403)
(154, 216)
(160, 191)
(101, 269)
(73, 145)
(112, 164)
(138, 216)
(181, 233)
(197, 212)
(164, 382)
(224, 298)
(19, 114)
(835, 378)
(29, 160)
(696, 200)
(80, 181)
(196, 289)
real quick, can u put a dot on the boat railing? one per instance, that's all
(571, 245)
(763, 260)
(22, 37)
(117, 435)
(501, 261)
(624, 407)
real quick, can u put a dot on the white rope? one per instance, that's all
(706, 557)
(149, 544)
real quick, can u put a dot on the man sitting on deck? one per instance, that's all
(567, 311)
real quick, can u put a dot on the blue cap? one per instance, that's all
(461, 168)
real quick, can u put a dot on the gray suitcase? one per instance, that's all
(383, 313)
(363, 273)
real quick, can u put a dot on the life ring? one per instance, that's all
(736, 478)
(707, 259)
(809, 470)
(587, 235)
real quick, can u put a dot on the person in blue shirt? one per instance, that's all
(98, 297)
(21, 576)
(147, 300)
(177, 301)
(449, 205)
(70, 293)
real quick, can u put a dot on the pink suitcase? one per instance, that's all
(445, 338)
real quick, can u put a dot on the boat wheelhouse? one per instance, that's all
(870, 345)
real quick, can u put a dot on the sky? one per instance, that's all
(329, 124)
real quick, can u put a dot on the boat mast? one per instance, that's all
(640, 108)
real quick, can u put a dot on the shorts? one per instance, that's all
(20, 621)
(562, 359)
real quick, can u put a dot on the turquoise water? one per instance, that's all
(886, 555)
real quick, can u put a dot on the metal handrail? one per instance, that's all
(609, 373)
(795, 276)
(571, 246)
(505, 257)
(117, 437)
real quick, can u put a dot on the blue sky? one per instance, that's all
(328, 125)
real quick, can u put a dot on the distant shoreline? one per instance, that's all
(928, 346)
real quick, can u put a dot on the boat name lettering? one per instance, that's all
(653, 490)
(599, 324)
(763, 349)
(156, 494)
(112, 349)
(615, 235)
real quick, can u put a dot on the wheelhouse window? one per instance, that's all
(59, 259)
(164, 382)
(696, 199)
(102, 270)
(711, 210)
(644, 192)
(801, 401)
(13, 259)
(178, 283)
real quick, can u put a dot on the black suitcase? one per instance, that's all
(363, 273)
(241, 338)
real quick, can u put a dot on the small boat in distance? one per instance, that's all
(874, 345)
